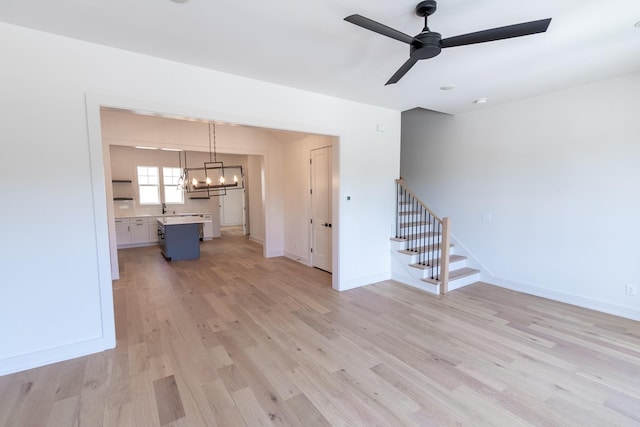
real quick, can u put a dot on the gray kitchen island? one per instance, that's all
(179, 237)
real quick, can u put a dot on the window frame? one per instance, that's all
(174, 170)
(141, 185)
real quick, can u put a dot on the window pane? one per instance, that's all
(171, 176)
(173, 195)
(148, 182)
(148, 175)
(149, 194)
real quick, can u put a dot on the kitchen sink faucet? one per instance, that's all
(164, 208)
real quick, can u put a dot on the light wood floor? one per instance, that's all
(233, 339)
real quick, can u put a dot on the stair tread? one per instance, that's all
(462, 272)
(454, 275)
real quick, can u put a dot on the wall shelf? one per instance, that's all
(122, 192)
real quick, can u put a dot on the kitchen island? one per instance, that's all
(179, 237)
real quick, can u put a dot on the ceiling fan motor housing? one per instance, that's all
(427, 45)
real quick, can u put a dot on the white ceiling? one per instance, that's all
(306, 44)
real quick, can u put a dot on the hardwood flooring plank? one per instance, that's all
(429, 412)
(168, 399)
(38, 396)
(92, 397)
(120, 416)
(306, 412)
(218, 396)
(250, 409)
(64, 412)
(273, 373)
(143, 401)
(235, 339)
(232, 378)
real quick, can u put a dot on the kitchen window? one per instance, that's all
(149, 185)
(170, 179)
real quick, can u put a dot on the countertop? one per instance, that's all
(173, 220)
(162, 216)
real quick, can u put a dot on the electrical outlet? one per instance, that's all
(632, 290)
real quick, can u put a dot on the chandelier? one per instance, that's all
(214, 178)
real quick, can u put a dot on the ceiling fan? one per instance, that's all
(428, 43)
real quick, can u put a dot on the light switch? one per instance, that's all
(486, 217)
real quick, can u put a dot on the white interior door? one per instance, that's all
(321, 220)
(232, 208)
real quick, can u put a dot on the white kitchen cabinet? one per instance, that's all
(136, 231)
(139, 231)
(123, 233)
(207, 227)
(143, 230)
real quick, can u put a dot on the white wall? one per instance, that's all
(124, 161)
(559, 175)
(52, 89)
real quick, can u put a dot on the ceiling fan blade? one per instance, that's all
(402, 71)
(379, 28)
(500, 33)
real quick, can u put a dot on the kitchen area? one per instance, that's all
(132, 141)
(176, 221)
(272, 209)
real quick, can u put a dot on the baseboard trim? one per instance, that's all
(486, 275)
(36, 359)
(256, 240)
(363, 281)
(297, 258)
(577, 300)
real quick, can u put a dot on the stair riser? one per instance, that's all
(423, 241)
(463, 281)
(404, 245)
(452, 266)
(429, 254)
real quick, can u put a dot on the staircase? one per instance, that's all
(422, 254)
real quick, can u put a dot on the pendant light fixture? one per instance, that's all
(213, 177)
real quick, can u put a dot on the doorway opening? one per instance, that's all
(275, 204)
